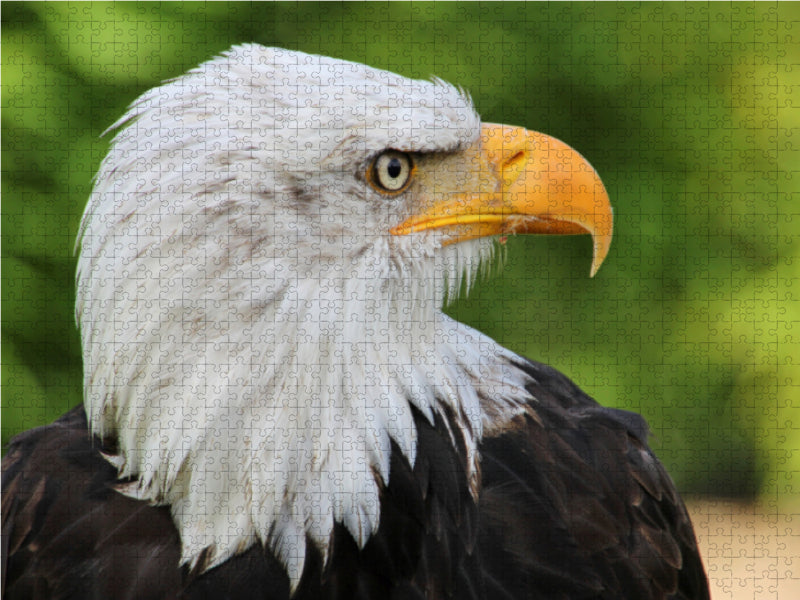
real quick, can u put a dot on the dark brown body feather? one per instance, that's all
(573, 505)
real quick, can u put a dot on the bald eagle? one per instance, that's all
(275, 405)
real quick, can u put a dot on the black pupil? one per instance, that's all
(394, 168)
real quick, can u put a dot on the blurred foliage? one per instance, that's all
(688, 111)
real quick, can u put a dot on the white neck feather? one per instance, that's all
(272, 424)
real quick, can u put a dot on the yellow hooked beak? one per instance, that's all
(535, 184)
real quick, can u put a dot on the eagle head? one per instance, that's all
(262, 265)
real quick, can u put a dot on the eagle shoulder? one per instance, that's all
(67, 533)
(575, 504)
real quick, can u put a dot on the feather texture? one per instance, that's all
(562, 513)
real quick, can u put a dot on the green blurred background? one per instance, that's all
(688, 111)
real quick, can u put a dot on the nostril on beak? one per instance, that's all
(512, 167)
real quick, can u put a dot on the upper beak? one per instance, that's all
(534, 184)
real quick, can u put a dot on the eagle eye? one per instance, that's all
(391, 172)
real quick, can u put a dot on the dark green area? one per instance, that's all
(688, 111)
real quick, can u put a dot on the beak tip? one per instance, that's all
(601, 245)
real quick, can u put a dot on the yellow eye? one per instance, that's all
(391, 171)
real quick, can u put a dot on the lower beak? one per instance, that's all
(536, 184)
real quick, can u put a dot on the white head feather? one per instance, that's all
(252, 333)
